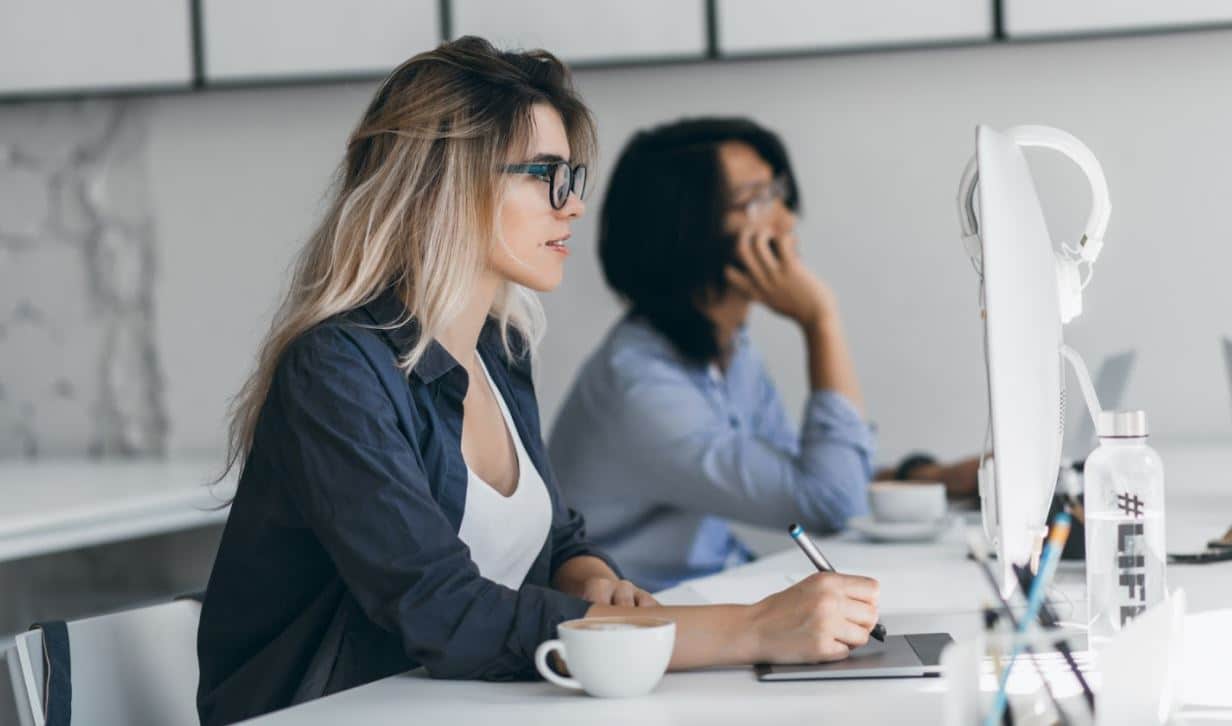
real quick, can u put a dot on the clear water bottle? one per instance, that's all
(1124, 505)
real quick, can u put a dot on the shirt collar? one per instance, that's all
(388, 313)
(648, 334)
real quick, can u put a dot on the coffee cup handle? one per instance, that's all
(541, 663)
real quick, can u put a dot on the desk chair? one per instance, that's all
(134, 667)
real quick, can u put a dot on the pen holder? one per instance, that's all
(972, 670)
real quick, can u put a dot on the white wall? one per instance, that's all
(879, 141)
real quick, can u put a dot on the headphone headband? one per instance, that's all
(1092, 241)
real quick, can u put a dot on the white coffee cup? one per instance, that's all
(612, 657)
(901, 501)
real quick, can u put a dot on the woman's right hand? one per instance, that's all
(821, 618)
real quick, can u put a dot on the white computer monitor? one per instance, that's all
(1022, 322)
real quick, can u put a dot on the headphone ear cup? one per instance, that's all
(1069, 289)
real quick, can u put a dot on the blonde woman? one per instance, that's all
(395, 507)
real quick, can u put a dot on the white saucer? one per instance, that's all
(899, 531)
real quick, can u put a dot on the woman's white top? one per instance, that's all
(505, 534)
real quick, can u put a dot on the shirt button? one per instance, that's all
(735, 422)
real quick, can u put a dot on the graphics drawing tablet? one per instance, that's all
(900, 656)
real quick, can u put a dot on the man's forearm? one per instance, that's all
(829, 360)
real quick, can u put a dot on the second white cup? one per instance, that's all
(895, 501)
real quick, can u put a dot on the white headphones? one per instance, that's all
(1070, 259)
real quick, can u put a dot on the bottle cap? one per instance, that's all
(1122, 425)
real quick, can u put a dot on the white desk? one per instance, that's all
(50, 506)
(924, 588)
(726, 696)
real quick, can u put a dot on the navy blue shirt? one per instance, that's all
(340, 563)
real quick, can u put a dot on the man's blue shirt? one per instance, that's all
(659, 454)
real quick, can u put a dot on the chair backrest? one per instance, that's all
(134, 667)
(16, 709)
(27, 676)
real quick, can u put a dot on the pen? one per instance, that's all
(1035, 598)
(823, 565)
(979, 552)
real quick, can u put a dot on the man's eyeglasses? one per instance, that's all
(561, 178)
(755, 199)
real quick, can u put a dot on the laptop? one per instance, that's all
(900, 656)
(1227, 359)
(1111, 381)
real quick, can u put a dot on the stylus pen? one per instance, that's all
(823, 565)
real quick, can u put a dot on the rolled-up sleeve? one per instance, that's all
(569, 540)
(765, 474)
(353, 475)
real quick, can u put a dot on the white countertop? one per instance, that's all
(50, 506)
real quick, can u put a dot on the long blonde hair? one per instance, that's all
(416, 203)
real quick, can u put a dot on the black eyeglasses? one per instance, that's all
(561, 178)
